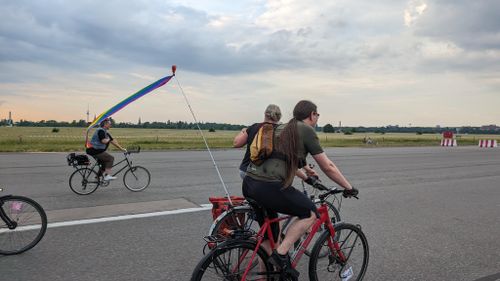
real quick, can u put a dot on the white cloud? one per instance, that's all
(414, 10)
(357, 59)
(439, 50)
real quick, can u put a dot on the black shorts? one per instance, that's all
(276, 199)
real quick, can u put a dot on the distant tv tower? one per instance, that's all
(88, 113)
(9, 122)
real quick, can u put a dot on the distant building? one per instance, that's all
(490, 128)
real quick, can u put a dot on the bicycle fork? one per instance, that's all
(10, 223)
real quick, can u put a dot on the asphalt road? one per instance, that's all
(429, 214)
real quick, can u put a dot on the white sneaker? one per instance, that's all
(109, 178)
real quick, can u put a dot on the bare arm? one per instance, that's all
(310, 172)
(301, 174)
(241, 138)
(327, 166)
(117, 145)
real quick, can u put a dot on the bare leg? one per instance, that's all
(294, 232)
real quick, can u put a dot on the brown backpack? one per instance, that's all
(261, 147)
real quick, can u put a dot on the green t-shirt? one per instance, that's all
(274, 169)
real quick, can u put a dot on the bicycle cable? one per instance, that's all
(204, 140)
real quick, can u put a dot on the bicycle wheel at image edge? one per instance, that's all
(30, 223)
(84, 181)
(136, 178)
(229, 260)
(354, 247)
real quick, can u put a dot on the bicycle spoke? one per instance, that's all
(230, 263)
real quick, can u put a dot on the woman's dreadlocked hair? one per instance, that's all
(288, 139)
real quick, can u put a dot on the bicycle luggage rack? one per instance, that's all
(76, 160)
(213, 241)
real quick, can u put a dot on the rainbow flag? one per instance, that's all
(127, 101)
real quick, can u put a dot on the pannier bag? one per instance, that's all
(77, 159)
(220, 205)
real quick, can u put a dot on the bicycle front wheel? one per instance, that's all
(334, 215)
(136, 178)
(348, 264)
(229, 260)
(84, 181)
(22, 225)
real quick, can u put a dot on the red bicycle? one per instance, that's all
(340, 253)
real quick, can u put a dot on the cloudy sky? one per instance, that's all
(370, 63)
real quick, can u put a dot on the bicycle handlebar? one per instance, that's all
(137, 150)
(329, 192)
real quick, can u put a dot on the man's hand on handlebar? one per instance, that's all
(316, 183)
(311, 180)
(353, 192)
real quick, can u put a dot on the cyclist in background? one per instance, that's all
(272, 115)
(99, 144)
(270, 183)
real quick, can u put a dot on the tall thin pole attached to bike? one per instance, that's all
(205, 140)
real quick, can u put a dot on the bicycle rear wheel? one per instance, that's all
(229, 260)
(136, 178)
(26, 227)
(84, 181)
(353, 246)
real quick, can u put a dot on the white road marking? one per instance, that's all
(202, 207)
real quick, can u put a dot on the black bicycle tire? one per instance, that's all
(136, 189)
(43, 217)
(205, 262)
(92, 173)
(219, 221)
(319, 243)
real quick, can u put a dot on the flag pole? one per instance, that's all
(203, 136)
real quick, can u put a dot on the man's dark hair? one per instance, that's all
(103, 122)
(288, 139)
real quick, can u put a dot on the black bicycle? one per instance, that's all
(23, 223)
(89, 176)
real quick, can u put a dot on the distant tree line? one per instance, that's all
(328, 128)
(149, 125)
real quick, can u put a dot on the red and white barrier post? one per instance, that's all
(488, 143)
(448, 139)
(449, 142)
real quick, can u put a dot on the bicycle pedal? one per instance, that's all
(292, 272)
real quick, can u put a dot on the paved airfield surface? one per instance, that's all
(429, 214)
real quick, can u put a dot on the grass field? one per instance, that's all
(36, 139)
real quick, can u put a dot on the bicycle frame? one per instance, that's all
(324, 219)
(126, 159)
(10, 223)
(129, 164)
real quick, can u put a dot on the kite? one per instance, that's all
(127, 101)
